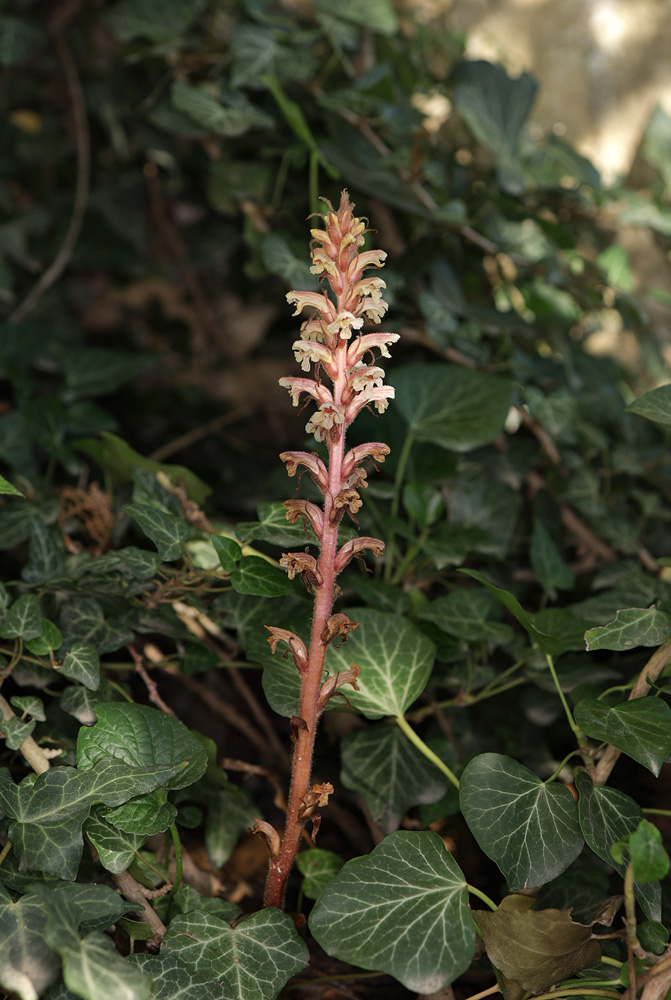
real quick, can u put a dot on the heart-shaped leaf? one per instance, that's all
(252, 961)
(529, 828)
(402, 909)
(537, 948)
(450, 406)
(116, 850)
(82, 663)
(257, 577)
(606, 816)
(317, 867)
(390, 773)
(654, 405)
(172, 980)
(468, 614)
(650, 860)
(640, 728)
(631, 627)
(23, 620)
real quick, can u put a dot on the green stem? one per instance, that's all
(417, 741)
(607, 960)
(657, 812)
(553, 994)
(117, 687)
(396, 501)
(579, 735)
(5, 851)
(481, 895)
(557, 772)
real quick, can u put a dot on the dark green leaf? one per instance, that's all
(15, 732)
(548, 643)
(18, 37)
(49, 642)
(648, 857)
(144, 816)
(377, 15)
(29, 705)
(640, 728)
(403, 909)
(173, 980)
(317, 868)
(116, 850)
(253, 960)
(467, 614)
(131, 19)
(654, 405)
(215, 115)
(390, 773)
(96, 371)
(82, 664)
(259, 578)
(606, 817)
(142, 737)
(631, 627)
(228, 551)
(450, 406)
(167, 532)
(551, 571)
(23, 619)
(529, 828)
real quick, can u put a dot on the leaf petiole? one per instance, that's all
(417, 741)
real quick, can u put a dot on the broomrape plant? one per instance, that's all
(333, 342)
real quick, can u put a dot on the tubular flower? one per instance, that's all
(332, 338)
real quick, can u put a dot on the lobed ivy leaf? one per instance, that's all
(83, 620)
(529, 828)
(317, 867)
(257, 577)
(253, 960)
(550, 644)
(452, 407)
(116, 850)
(46, 813)
(640, 728)
(143, 737)
(82, 664)
(166, 531)
(94, 969)
(45, 555)
(15, 731)
(630, 627)
(23, 619)
(402, 909)
(607, 816)
(29, 705)
(173, 980)
(390, 773)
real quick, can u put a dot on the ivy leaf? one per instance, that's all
(83, 620)
(402, 909)
(23, 620)
(529, 828)
(116, 850)
(395, 660)
(228, 552)
(467, 614)
(654, 405)
(215, 115)
(253, 960)
(550, 644)
(318, 867)
(450, 406)
(648, 857)
(631, 627)
(495, 107)
(166, 531)
(47, 813)
(537, 948)
(390, 773)
(49, 642)
(29, 705)
(7, 489)
(640, 728)
(607, 816)
(257, 577)
(145, 816)
(93, 968)
(15, 731)
(172, 980)
(142, 737)
(377, 15)
(82, 663)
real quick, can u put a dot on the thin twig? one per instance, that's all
(233, 764)
(135, 893)
(261, 716)
(60, 261)
(211, 427)
(228, 712)
(152, 687)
